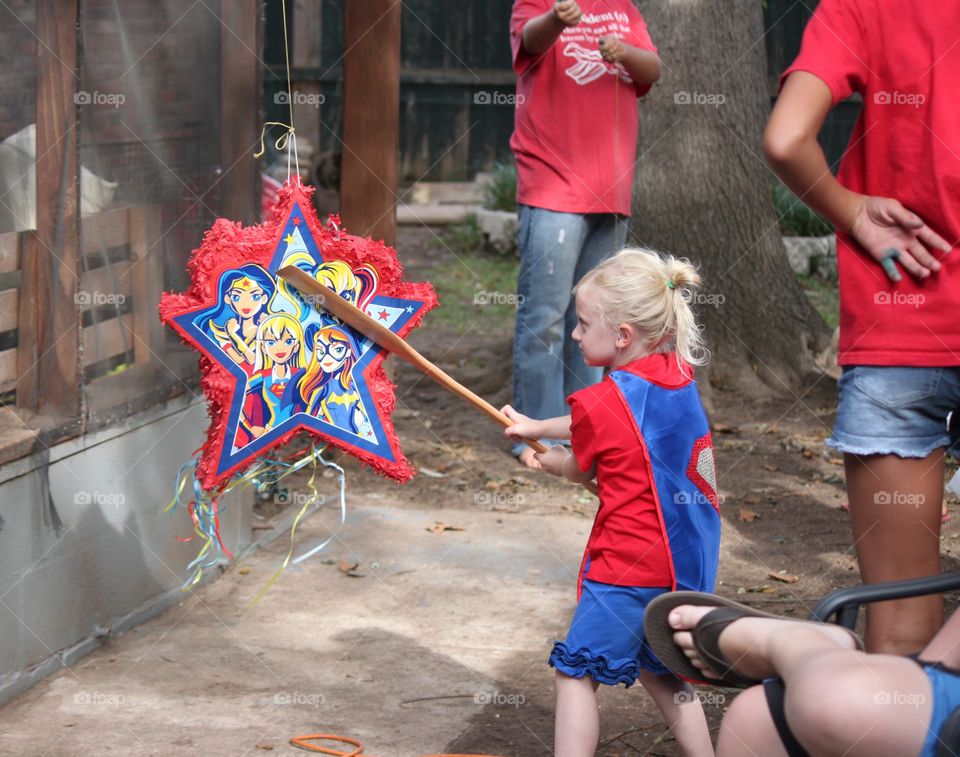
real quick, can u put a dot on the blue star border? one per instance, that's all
(231, 460)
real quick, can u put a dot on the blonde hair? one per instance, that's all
(275, 326)
(651, 292)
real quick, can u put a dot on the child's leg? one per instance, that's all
(577, 724)
(681, 710)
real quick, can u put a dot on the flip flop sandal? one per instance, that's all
(706, 636)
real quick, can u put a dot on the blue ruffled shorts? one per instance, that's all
(605, 640)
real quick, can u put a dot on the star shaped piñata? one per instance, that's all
(272, 363)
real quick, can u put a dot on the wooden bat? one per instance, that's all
(334, 304)
(351, 315)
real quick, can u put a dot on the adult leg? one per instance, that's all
(838, 700)
(748, 729)
(549, 246)
(577, 719)
(607, 233)
(682, 712)
(895, 508)
(944, 648)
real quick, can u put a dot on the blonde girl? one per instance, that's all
(279, 355)
(643, 434)
(356, 285)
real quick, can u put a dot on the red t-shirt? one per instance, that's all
(626, 545)
(903, 58)
(575, 130)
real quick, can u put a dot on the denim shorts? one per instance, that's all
(908, 412)
(945, 684)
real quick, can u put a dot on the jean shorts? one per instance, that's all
(945, 684)
(893, 410)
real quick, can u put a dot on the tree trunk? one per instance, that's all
(703, 191)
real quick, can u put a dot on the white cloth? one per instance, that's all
(18, 184)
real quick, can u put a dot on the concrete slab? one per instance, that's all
(438, 645)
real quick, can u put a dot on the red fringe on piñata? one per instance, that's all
(228, 244)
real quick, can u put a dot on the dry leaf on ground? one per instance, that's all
(787, 578)
(439, 528)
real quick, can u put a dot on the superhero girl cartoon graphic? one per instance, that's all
(243, 301)
(279, 359)
(326, 388)
(356, 285)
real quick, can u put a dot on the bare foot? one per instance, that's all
(528, 457)
(745, 642)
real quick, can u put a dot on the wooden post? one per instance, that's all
(146, 275)
(371, 118)
(49, 318)
(240, 109)
(307, 33)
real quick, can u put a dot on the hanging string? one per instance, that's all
(313, 500)
(204, 509)
(288, 140)
(343, 511)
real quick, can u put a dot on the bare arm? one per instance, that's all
(642, 65)
(559, 461)
(879, 224)
(530, 428)
(540, 32)
(791, 146)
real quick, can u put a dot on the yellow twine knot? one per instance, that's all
(281, 143)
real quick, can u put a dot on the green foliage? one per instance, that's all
(502, 192)
(462, 239)
(824, 295)
(476, 288)
(796, 219)
(467, 239)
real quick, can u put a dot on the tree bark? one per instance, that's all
(703, 191)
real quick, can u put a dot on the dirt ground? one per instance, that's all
(426, 625)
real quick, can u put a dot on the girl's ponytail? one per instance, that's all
(681, 279)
